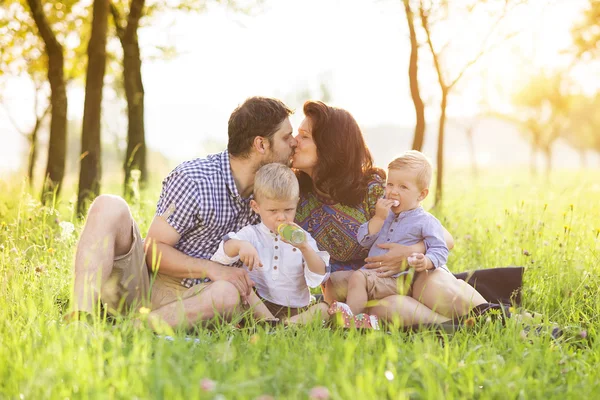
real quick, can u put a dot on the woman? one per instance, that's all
(339, 187)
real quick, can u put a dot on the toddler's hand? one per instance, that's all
(383, 206)
(249, 256)
(418, 261)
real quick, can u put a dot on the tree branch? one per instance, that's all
(117, 20)
(37, 12)
(135, 14)
(425, 22)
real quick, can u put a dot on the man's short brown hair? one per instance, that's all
(257, 116)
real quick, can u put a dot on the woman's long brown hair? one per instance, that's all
(344, 163)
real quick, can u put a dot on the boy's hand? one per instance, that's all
(299, 246)
(382, 208)
(419, 262)
(249, 255)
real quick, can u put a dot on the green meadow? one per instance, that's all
(549, 225)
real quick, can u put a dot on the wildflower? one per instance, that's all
(3, 226)
(389, 375)
(467, 237)
(470, 322)
(571, 207)
(144, 310)
(526, 253)
(66, 229)
(583, 334)
(50, 250)
(319, 393)
(546, 243)
(597, 232)
(545, 206)
(208, 385)
(254, 339)
(461, 364)
(567, 228)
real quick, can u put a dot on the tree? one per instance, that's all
(32, 135)
(127, 32)
(57, 148)
(583, 132)
(586, 33)
(91, 169)
(446, 83)
(543, 109)
(413, 69)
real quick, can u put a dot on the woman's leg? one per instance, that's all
(445, 294)
(336, 287)
(404, 311)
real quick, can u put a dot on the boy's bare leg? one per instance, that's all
(405, 310)
(108, 233)
(357, 292)
(315, 312)
(336, 287)
(258, 308)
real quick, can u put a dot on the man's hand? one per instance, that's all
(237, 276)
(249, 255)
(419, 262)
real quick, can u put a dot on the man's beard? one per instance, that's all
(275, 159)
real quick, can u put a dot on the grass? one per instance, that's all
(505, 218)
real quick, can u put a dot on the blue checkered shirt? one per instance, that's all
(200, 201)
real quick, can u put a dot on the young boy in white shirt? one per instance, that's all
(282, 271)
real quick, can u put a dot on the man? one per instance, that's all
(201, 201)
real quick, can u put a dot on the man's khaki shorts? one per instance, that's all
(379, 288)
(131, 286)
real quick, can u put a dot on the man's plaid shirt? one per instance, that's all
(200, 200)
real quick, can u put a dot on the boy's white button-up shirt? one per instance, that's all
(284, 278)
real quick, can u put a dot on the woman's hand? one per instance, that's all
(394, 261)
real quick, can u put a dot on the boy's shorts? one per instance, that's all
(129, 285)
(380, 287)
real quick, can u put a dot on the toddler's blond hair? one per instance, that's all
(275, 182)
(418, 162)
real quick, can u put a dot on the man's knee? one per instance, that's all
(225, 296)
(109, 209)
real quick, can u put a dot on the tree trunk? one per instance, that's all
(32, 151)
(135, 157)
(419, 136)
(440, 150)
(583, 158)
(533, 168)
(472, 153)
(90, 171)
(548, 154)
(57, 147)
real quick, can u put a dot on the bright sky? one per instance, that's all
(360, 48)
